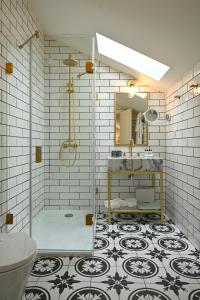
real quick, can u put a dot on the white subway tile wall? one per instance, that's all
(72, 187)
(17, 23)
(183, 156)
(67, 187)
(178, 141)
(109, 82)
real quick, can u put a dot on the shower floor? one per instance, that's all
(54, 232)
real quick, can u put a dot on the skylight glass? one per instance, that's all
(130, 57)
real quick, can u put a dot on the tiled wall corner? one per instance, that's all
(183, 156)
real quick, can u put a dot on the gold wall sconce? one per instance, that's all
(133, 89)
(132, 83)
(9, 68)
(196, 88)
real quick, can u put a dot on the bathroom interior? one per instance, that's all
(100, 149)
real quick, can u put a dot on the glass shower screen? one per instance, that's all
(63, 126)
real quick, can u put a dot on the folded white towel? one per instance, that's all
(118, 203)
(131, 202)
(114, 203)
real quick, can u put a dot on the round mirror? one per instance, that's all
(151, 115)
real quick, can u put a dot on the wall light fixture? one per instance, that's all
(133, 89)
(196, 87)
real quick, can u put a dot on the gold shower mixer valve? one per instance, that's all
(70, 145)
(70, 86)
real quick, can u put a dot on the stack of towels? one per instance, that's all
(119, 203)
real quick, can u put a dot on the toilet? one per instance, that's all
(17, 253)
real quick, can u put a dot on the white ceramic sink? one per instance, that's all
(140, 164)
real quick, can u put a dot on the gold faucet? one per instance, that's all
(131, 145)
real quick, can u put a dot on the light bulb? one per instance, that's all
(133, 90)
(197, 91)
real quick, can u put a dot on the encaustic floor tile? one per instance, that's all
(134, 258)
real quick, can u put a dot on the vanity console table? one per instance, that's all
(135, 166)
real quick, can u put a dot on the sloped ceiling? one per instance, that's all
(166, 30)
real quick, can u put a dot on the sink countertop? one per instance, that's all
(134, 157)
(135, 164)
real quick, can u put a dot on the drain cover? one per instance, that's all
(68, 215)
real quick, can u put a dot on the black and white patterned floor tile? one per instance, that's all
(60, 290)
(114, 255)
(135, 258)
(45, 266)
(147, 293)
(100, 243)
(37, 292)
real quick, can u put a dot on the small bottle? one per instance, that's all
(150, 152)
(146, 153)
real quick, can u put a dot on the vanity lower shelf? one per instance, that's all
(151, 206)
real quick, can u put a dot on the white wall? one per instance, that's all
(183, 157)
(109, 82)
(71, 187)
(16, 24)
(67, 187)
(177, 141)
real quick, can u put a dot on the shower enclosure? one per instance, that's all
(67, 173)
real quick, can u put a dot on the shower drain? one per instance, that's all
(68, 215)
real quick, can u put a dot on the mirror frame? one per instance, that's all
(115, 123)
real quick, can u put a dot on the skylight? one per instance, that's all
(130, 58)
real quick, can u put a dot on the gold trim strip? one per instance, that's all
(141, 211)
(136, 172)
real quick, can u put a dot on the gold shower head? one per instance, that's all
(70, 62)
(36, 35)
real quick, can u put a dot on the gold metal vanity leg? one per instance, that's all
(161, 198)
(153, 181)
(109, 197)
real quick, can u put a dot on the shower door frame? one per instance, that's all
(92, 174)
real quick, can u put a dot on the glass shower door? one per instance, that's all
(61, 221)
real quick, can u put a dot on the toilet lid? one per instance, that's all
(16, 249)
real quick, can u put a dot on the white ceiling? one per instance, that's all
(166, 30)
